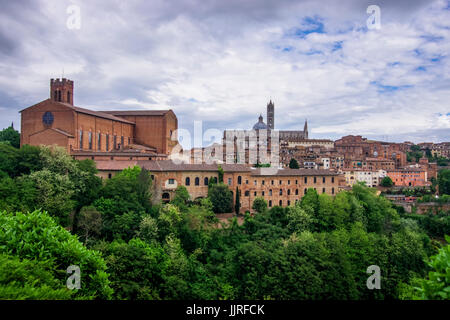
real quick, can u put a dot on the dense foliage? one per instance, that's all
(128, 248)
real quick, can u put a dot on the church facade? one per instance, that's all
(85, 133)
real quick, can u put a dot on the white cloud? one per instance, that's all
(219, 63)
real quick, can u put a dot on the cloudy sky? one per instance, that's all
(221, 61)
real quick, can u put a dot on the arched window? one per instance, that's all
(296, 192)
(247, 193)
(206, 181)
(166, 197)
(306, 179)
(289, 192)
(188, 181)
(68, 96)
(239, 180)
(281, 202)
(59, 95)
(197, 181)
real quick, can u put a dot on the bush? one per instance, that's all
(37, 236)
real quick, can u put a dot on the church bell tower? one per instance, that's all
(61, 90)
(271, 115)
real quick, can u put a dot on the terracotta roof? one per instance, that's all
(67, 134)
(125, 153)
(97, 113)
(115, 165)
(292, 172)
(169, 165)
(85, 111)
(63, 132)
(138, 112)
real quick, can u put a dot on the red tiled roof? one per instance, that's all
(138, 112)
(105, 165)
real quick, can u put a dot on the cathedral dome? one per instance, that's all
(260, 125)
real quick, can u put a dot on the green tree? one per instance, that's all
(11, 136)
(444, 181)
(437, 285)
(24, 279)
(220, 173)
(293, 164)
(386, 182)
(36, 236)
(137, 269)
(299, 219)
(221, 198)
(259, 205)
(181, 198)
(148, 229)
(53, 194)
(89, 224)
(237, 205)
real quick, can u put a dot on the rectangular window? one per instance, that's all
(107, 142)
(171, 181)
(90, 140)
(229, 181)
(332, 179)
(115, 142)
(306, 179)
(99, 141)
(81, 140)
(315, 179)
(263, 182)
(323, 180)
(254, 182)
(121, 142)
(270, 203)
(323, 190)
(262, 193)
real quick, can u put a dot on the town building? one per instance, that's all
(84, 133)
(279, 187)
(409, 177)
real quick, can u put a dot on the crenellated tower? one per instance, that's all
(61, 90)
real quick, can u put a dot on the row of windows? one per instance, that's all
(196, 181)
(99, 141)
(187, 181)
(255, 193)
(255, 182)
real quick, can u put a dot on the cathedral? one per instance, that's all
(285, 135)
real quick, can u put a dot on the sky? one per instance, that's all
(220, 62)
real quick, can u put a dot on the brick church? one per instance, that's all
(106, 135)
